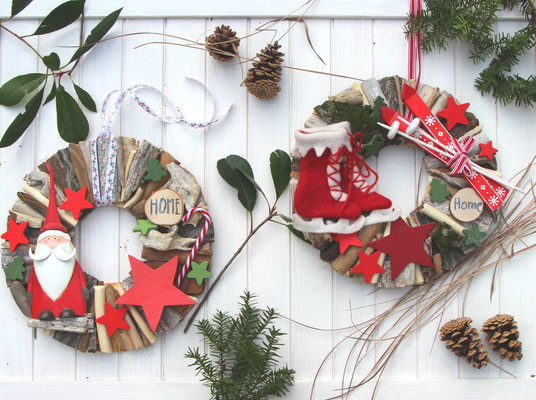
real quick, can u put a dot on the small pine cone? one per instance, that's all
(502, 336)
(223, 43)
(463, 341)
(262, 78)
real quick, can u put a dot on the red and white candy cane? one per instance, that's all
(198, 241)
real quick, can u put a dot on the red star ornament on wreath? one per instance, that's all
(346, 240)
(153, 289)
(76, 202)
(487, 150)
(405, 245)
(454, 113)
(113, 319)
(368, 265)
(15, 234)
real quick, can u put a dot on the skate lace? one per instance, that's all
(356, 170)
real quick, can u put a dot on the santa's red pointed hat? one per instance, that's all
(52, 225)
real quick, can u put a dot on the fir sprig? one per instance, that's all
(472, 22)
(242, 354)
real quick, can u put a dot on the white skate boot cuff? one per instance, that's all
(331, 137)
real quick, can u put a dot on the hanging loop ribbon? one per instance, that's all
(459, 163)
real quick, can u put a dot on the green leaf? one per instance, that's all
(72, 123)
(97, 34)
(85, 98)
(52, 61)
(297, 233)
(60, 17)
(22, 121)
(52, 93)
(280, 168)
(18, 5)
(15, 89)
(231, 170)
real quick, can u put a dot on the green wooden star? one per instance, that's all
(144, 226)
(474, 235)
(154, 171)
(373, 147)
(15, 269)
(199, 272)
(439, 191)
(377, 104)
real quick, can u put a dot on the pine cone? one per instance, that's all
(223, 43)
(262, 78)
(463, 341)
(502, 336)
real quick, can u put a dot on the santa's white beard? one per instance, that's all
(54, 267)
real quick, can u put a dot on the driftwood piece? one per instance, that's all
(105, 343)
(347, 260)
(441, 102)
(83, 324)
(64, 215)
(67, 168)
(137, 168)
(428, 94)
(318, 240)
(315, 121)
(125, 146)
(19, 293)
(185, 185)
(151, 187)
(398, 84)
(120, 339)
(352, 96)
(372, 89)
(134, 199)
(388, 87)
(148, 253)
(456, 181)
(26, 212)
(459, 130)
(438, 264)
(381, 258)
(41, 182)
(82, 175)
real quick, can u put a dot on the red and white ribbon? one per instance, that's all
(414, 48)
(198, 241)
(459, 163)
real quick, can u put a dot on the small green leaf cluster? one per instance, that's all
(472, 22)
(242, 360)
(71, 121)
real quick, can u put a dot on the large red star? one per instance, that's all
(404, 245)
(153, 289)
(346, 240)
(76, 202)
(487, 150)
(15, 234)
(454, 113)
(368, 265)
(113, 319)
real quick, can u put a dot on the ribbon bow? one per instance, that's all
(459, 163)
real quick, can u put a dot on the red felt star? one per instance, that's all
(15, 234)
(404, 245)
(153, 289)
(368, 265)
(76, 202)
(114, 319)
(487, 150)
(454, 113)
(346, 240)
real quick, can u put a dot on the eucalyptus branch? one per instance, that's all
(22, 40)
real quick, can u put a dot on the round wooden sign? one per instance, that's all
(164, 207)
(466, 205)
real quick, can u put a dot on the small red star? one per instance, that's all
(454, 113)
(114, 319)
(404, 245)
(153, 289)
(76, 202)
(15, 234)
(368, 265)
(487, 150)
(346, 240)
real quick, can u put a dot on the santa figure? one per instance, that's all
(57, 285)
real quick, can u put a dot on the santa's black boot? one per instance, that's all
(67, 313)
(45, 315)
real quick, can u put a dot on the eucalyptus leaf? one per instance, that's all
(297, 233)
(52, 61)
(231, 170)
(15, 89)
(60, 17)
(280, 169)
(22, 121)
(72, 123)
(85, 98)
(18, 5)
(97, 34)
(52, 93)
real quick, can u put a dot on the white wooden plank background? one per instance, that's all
(356, 38)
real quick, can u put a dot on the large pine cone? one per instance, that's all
(463, 341)
(223, 43)
(262, 78)
(502, 336)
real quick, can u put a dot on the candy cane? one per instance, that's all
(200, 238)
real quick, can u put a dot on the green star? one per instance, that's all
(377, 105)
(144, 226)
(439, 191)
(15, 269)
(199, 272)
(474, 235)
(373, 147)
(155, 172)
